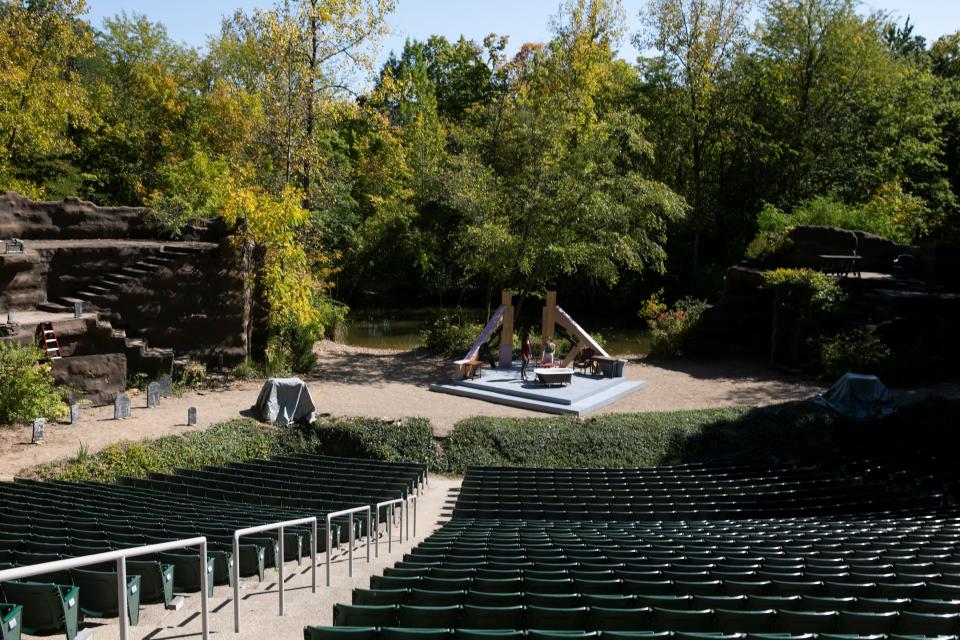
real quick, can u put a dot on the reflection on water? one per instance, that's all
(402, 331)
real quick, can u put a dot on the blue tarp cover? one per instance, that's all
(858, 396)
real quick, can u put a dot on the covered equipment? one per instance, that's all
(286, 400)
(858, 396)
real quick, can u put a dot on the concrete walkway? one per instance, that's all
(259, 601)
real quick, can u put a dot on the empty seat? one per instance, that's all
(341, 633)
(566, 618)
(345, 615)
(861, 623)
(475, 617)
(379, 596)
(427, 617)
(47, 608)
(100, 596)
(795, 622)
(742, 621)
(927, 624)
(620, 619)
(679, 620)
(10, 621)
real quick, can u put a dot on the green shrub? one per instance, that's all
(247, 370)
(804, 290)
(638, 439)
(449, 336)
(670, 329)
(858, 351)
(370, 438)
(298, 341)
(223, 443)
(890, 213)
(27, 389)
(193, 375)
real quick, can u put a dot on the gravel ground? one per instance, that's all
(352, 381)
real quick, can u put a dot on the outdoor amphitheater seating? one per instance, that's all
(47, 608)
(100, 598)
(11, 620)
(853, 547)
(46, 521)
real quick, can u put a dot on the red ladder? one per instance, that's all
(47, 341)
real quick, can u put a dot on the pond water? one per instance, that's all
(402, 331)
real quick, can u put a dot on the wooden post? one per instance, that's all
(506, 330)
(549, 318)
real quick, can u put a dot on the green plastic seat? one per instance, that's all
(11, 621)
(922, 605)
(429, 617)
(648, 587)
(927, 624)
(742, 621)
(680, 620)
(474, 617)
(99, 594)
(613, 601)
(882, 604)
(488, 634)
(47, 608)
(394, 582)
(340, 633)
(795, 622)
(379, 596)
(498, 585)
(635, 635)
(862, 623)
(731, 603)
(186, 571)
(484, 599)
(428, 598)
(665, 602)
(558, 634)
(156, 580)
(556, 618)
(347, 615)
(619, 619)
(413, 633)
(548, 585)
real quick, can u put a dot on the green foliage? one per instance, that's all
(409, 440)
(857, 351)
(450, 336)
(299, 341)
(670, 329)
(804, 290)
(236, 440)
(890, 213)
(27, 389)
(193, 375)
(247, 370)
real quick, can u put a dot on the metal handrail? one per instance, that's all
(349, 513)
(414, 500)
(376, 521)
(312, 520)
(120, 557)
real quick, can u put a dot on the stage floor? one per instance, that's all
(586, 393)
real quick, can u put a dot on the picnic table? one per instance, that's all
(841, 265)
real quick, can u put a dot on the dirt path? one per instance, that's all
(351, 381)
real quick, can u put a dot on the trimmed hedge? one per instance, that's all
(230, 441)
(796, 430)
(636, 439)
(409, 440)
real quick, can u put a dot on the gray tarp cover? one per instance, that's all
(286, 400)
(858, 396)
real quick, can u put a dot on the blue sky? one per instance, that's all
(191, 21)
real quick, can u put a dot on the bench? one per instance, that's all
(468, 368)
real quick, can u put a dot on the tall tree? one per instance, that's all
(42, 43)
(698, 41)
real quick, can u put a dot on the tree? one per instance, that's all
(553, 186)
(698, 41)
(41, 96)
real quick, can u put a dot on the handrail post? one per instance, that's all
(280, 567)
(122, 598)
(313, 556)
(376, 538)
(369, 522)
(390, 530)
(236, 582)
(406, 522)
(350, 546)
(328, 549)
(415, 501)
(204, 596)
